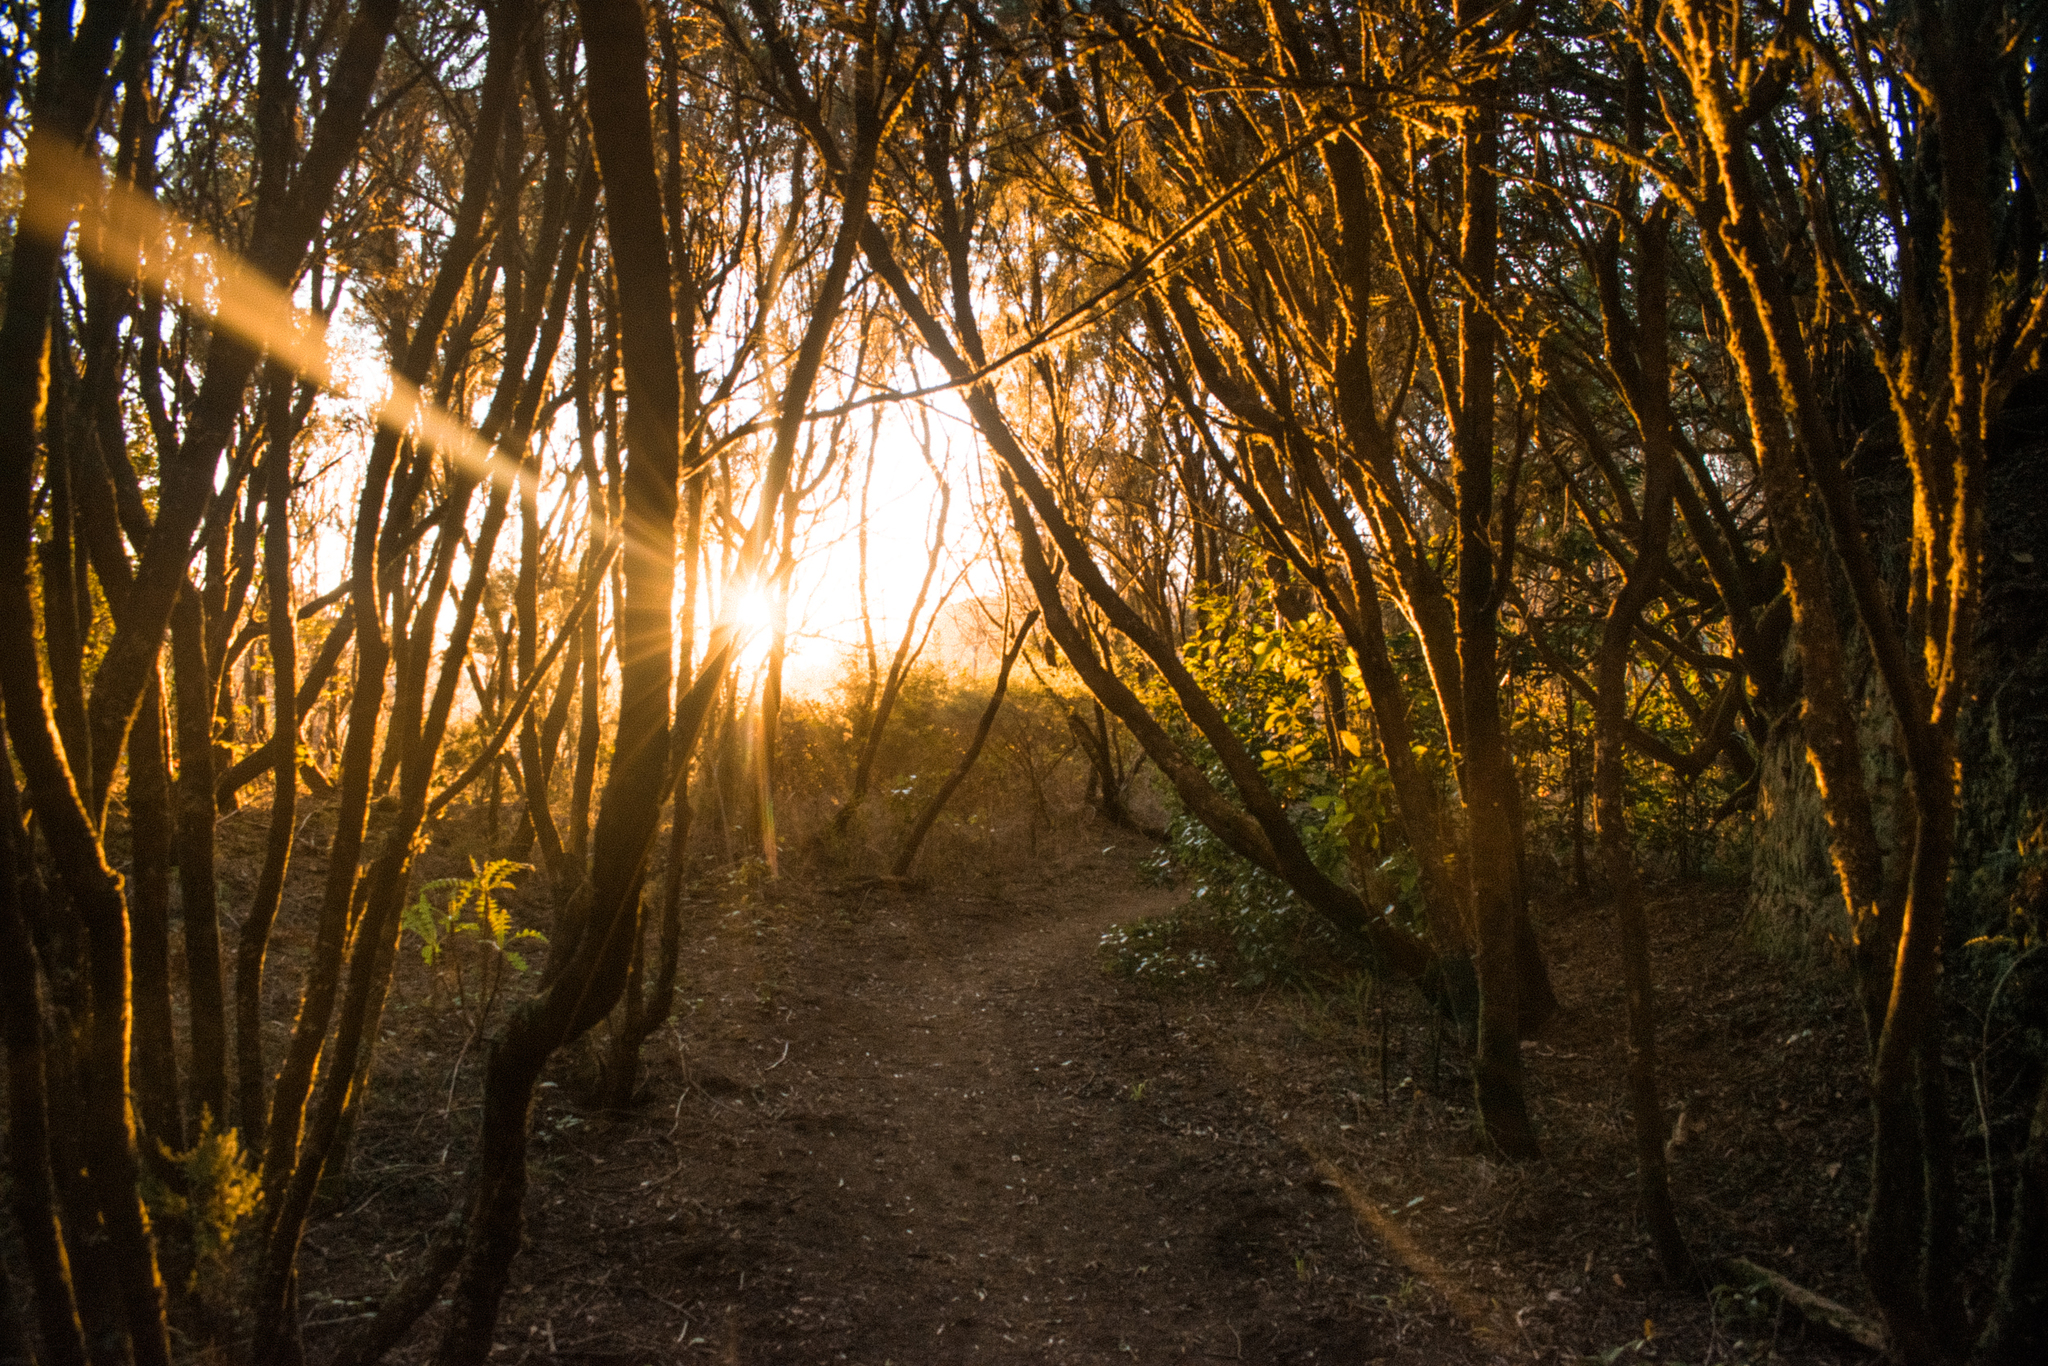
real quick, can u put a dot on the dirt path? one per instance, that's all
(931, 1129)
(920, 1128)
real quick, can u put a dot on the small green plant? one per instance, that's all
(218, 1195)
(475, 915)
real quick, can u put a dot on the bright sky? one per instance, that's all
(825, 598)
(902, 506)
(826, 589)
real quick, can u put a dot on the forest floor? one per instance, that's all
(907, 1127)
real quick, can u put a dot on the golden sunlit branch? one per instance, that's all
(135, 237)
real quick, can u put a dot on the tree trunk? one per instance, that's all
(594, 947)
(1651, 402)
(193, 681)
(253, 943)
(926, 818)
(149, 916)
(1487, 776)
(31, 1188)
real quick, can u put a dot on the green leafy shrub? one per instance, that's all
(1274, 681)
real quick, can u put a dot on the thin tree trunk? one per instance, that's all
(1581, 877)
(532, 763)
(926, 818)
(253, 942)
(1651, 402)
(647, 1009)
(149, 916)
(191, 678)
(582, 779)
(594, 946)
(66, 609)
(31, 1188)
(873, 676)
(1487, 776)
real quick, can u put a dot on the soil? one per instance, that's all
(900, 1126)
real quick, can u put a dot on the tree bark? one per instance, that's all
(193, 679)
(253, 942)
(149, 919)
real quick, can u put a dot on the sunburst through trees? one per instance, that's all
(1437, 455)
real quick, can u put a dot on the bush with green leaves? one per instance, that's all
(1274, 680)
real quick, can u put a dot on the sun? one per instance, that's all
(754, 612)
